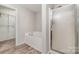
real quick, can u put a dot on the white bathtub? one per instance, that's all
(34, 39)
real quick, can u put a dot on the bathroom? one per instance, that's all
(39, 28)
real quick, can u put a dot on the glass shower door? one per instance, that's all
(63, 29)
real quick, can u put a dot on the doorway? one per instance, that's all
(7, 28)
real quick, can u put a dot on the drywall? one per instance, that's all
(77, 25)
(27, 23)
(44, 30)
(38, 21)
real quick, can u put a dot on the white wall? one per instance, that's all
(26, 23)
(45, 40)
(38, 21)
(77, 25)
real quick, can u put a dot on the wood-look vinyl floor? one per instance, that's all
(8, 47)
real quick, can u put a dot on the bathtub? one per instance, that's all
(34, 39)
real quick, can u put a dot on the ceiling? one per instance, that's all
(32, 7)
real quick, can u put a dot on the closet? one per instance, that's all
(7, 23)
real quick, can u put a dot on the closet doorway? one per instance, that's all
(7, 28)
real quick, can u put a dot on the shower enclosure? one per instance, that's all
(65, 29)
(7, 23)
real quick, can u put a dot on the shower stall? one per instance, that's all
(64, 29)
(7, 23)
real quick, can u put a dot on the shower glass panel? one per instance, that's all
(63, 29)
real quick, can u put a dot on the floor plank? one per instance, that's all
(8, 47)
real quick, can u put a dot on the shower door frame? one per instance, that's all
(76, 32)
